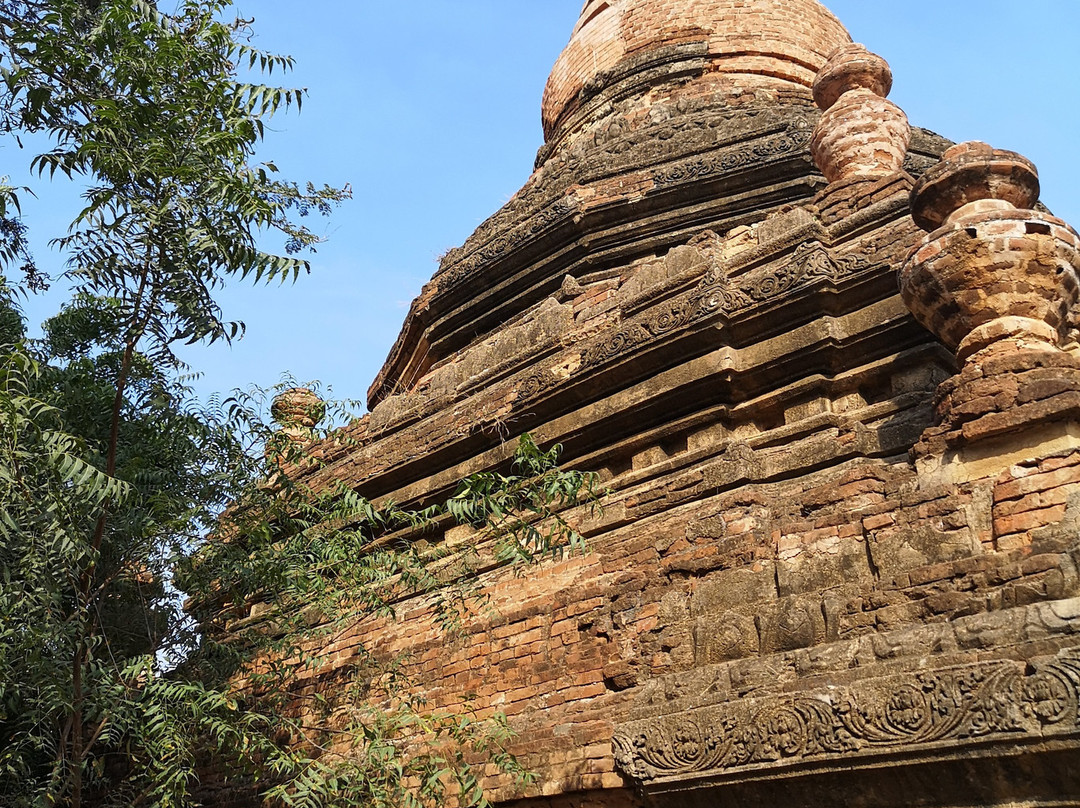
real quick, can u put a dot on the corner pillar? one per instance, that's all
(996, 281)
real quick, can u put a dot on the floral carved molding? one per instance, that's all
(985, 702)
(776, 145)
(719, 295)
(760, 138)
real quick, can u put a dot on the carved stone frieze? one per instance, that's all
(752, 136)
(690, 128)
(718, 294)
(620, 89)
(715, 295)
(899, 714)
(791, 139)
(457, 274)
(672, 132)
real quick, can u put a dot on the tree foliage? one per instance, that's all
(112, 477)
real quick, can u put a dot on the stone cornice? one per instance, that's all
(729, 304)
(567, 219)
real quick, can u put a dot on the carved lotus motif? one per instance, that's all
(688, 743)
(783, 734)
(906, 710)
(991, 270)
(1048, 697)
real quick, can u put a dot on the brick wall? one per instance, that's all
(760, 584)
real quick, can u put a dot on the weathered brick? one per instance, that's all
(767, 530)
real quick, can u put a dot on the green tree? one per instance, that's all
(111, 477)
(146, 109)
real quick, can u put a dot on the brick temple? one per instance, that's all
(826, 364)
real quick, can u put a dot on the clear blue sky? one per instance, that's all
(431, 110)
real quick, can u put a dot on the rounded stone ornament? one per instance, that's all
(992, 269)
(851, 67)
(971, 173)
(861, 135)
(298, 407)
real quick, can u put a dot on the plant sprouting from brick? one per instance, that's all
(315, 560)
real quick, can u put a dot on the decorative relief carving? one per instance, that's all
(459, 273)
(535, 383)
(624, 85)
(759, 134)
(977, 702)
(716, 294)
(740, 137)
(718, 163)
(719, 294)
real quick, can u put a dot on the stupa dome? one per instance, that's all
(786, 40)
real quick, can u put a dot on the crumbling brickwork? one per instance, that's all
(838, 563)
